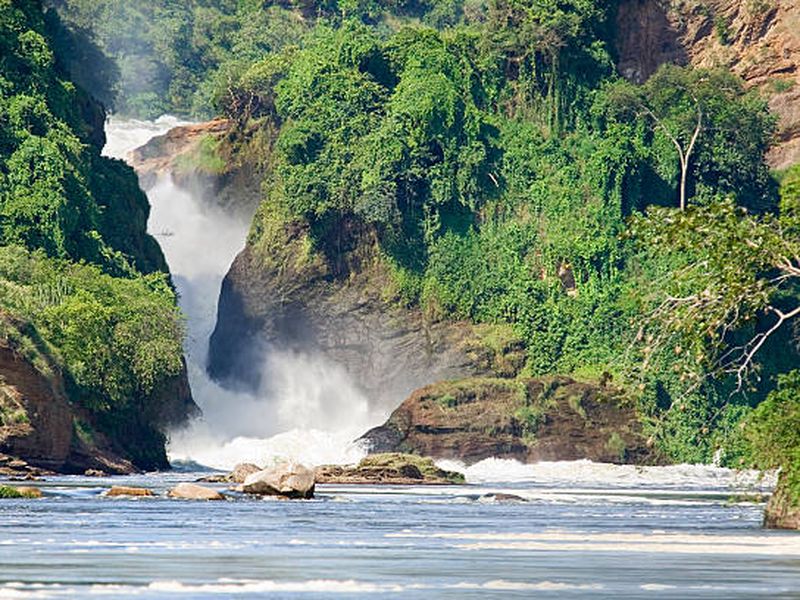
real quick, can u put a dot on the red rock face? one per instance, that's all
(43, 435)
(534, 420)
(758, 40)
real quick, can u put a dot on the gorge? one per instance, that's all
(472, 299)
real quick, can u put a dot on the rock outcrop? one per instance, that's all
(198, 159)
(527, 420)
(758, 40)
(281, 295)
(42, 431)
(389, 469)
(41, 428)
(783, 509)
(191, 491)
(286, 479)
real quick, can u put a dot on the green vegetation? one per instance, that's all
(407, 466)
(774, 432)
(500, 171)
(8, 492)
(83, 288)
(507, 187)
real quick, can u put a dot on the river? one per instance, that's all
(576, 530)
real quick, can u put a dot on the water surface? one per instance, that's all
(574, 537)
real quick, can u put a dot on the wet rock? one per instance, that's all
(503, 498)
(238, 475)
(389, 469)
(119, 490)
(289, 479)
(94, 473)
(191, 491)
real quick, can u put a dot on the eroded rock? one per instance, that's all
(288, 479)
(192, 491)
(553, 418)
(119, 490)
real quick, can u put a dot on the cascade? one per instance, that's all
(308, 408)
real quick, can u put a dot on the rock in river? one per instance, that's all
(120, 490)
(191, 491)
(288, 479)
(389, 469)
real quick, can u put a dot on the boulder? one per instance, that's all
(94, 473)
(288, 479)
(192, 491)
(120, 490)
(242, 471)
(238, 475)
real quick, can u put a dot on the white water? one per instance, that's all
(308, 409)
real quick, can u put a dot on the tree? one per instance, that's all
(736, 285)
(717, 131)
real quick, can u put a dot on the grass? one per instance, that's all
(8, 492)
(204, 157)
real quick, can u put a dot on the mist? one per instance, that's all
(307, 407)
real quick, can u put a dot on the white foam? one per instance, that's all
(309, 447)
(653, 542)
(125, 135)
(319, 586)
(588, 473)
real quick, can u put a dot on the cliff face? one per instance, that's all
(199, 159)
(527, 420)
(289, 297)
(41, 426)
(759, 40)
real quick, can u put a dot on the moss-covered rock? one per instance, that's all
(783, 508)
(11, 492)
(390, 468)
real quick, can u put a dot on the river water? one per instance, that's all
(585, 531)
(577, 529)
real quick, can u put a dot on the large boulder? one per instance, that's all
(288, 479)
(192, 491)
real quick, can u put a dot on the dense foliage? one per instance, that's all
(500, 180)
(505, 174)
(73, 246)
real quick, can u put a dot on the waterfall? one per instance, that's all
(308, 408)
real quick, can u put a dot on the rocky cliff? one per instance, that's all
(284, 295)
(41, 429)
(759, 40)
(528, 420)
